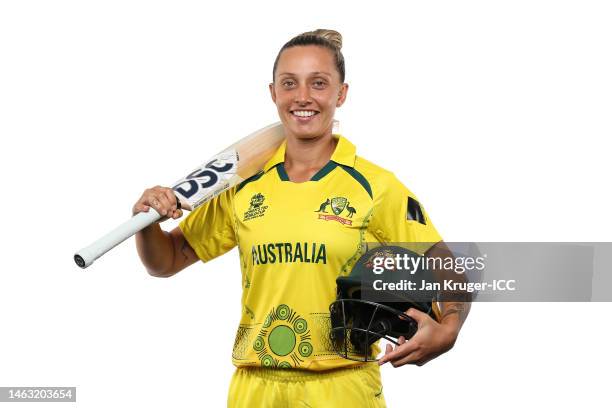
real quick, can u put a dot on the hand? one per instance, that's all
(162, 199)
(431, 340)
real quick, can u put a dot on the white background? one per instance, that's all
(496, 114)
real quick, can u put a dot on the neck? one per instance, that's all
(304, 157)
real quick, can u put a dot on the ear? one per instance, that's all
(272, 92)
(342, 95)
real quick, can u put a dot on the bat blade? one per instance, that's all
(238, 162)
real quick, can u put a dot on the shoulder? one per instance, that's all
(381, 180)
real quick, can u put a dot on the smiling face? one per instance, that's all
(307, 90)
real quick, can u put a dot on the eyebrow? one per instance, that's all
(313, 73)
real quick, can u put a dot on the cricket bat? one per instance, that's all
(238, 162)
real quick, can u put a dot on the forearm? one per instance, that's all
(454, 305)
(453, 315)
(156, 250)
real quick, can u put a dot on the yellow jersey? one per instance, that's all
(294, 240)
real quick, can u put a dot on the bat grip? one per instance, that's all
(88, 255)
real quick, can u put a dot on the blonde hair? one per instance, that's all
(330, 39)
(330, 35)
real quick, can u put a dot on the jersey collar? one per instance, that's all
(343, 154)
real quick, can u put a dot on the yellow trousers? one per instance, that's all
(358, 386)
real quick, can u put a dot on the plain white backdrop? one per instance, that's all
(496, 114)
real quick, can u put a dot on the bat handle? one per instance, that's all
(88, 255)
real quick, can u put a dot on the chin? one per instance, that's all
(306, 132)
(306, 137)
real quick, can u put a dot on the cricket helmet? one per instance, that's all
(360, 317)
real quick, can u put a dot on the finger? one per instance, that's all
(412, 358)
(158, 205)
(171, 198)
(140, 208)
(417, 315)
(177, 214)
(421, 363)
(169, 202)
(383, 359)
(401, 340)
(389, 352)
(402, 350)
(152, 201)
(164, 203)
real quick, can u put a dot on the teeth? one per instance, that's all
(303, 114)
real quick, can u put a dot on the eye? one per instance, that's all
(319, 84)
(288, 83)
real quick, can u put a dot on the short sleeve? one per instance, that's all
(209, 229)
(398, 216)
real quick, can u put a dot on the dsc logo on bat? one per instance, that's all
(201, 180)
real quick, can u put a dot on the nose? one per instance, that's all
(302, 95)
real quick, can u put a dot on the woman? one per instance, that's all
(299, 224)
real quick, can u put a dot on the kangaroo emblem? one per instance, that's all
(324, 206)
(351, 210)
